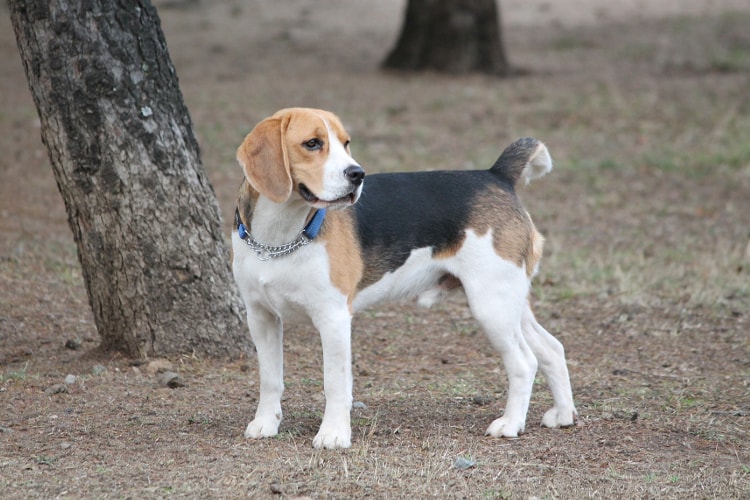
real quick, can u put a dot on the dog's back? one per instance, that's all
(402, 212)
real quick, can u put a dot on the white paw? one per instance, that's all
(263, 427)
(502, 427)
(331, 439)
(555, 417)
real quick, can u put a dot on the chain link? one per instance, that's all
(266, 252)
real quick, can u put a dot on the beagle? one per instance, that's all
(315, 241)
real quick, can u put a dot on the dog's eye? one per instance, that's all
(313, 144)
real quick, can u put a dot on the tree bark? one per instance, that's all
(450, 36)
(143, 215)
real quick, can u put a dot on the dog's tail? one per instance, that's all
(527, 158)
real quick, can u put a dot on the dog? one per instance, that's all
(313, 241)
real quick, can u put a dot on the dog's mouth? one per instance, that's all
(309, 196)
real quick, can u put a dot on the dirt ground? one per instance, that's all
(646, 276)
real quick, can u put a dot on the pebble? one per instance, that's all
(359, 404)
(464, 463)
(56, 389)
(73, 344)
(481, 400)
(70, 379)
(171, 380)
(276, 488)
(98, 369)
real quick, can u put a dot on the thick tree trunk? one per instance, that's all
(450, 36)
(143, 215)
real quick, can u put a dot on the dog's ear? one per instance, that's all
(265, 161)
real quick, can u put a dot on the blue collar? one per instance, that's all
(313, 227)
(310, 231)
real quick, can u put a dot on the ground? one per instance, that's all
(646, 275)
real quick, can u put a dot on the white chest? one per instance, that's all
(293, 287)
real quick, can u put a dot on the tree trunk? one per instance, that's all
(144, 217)
(450, 36)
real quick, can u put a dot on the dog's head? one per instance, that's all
(302, 151)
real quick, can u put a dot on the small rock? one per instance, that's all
(5, 430)
(159, 366)
(464, 463)
(56, 389)
(73, 344)
(276, 488)
(171, 380)
(65, 445)
(359, 405)
(481, 400)
(70, 379)
(98, 369)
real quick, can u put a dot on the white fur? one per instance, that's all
(539, 164)
(496, 290)
(335, 184)
(418, 275)
(296, 288)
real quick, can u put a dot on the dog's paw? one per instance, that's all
(331, 439)
(260, 428)
(556, 417)
(502, 427)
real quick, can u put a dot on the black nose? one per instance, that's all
(355, 174)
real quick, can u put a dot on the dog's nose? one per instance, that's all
(355, 174)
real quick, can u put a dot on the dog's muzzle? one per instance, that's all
(354, 174)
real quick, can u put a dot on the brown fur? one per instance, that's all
(264, 159)
(513, 231)
(537, 248)
(274, 159)
(345, 256)
(246, 200)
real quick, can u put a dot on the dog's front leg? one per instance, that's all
(335, 334)
(266, 331)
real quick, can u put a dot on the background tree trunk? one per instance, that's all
(144, 217)
(450, 36)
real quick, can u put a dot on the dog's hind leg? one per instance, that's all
(266, 331)
(496, 297)
(551, 356)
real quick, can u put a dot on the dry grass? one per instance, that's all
(645, 279)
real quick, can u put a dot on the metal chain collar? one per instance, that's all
(266, 252)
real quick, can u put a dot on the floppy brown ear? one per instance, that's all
(264, 159)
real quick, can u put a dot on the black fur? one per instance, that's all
(400, 212)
